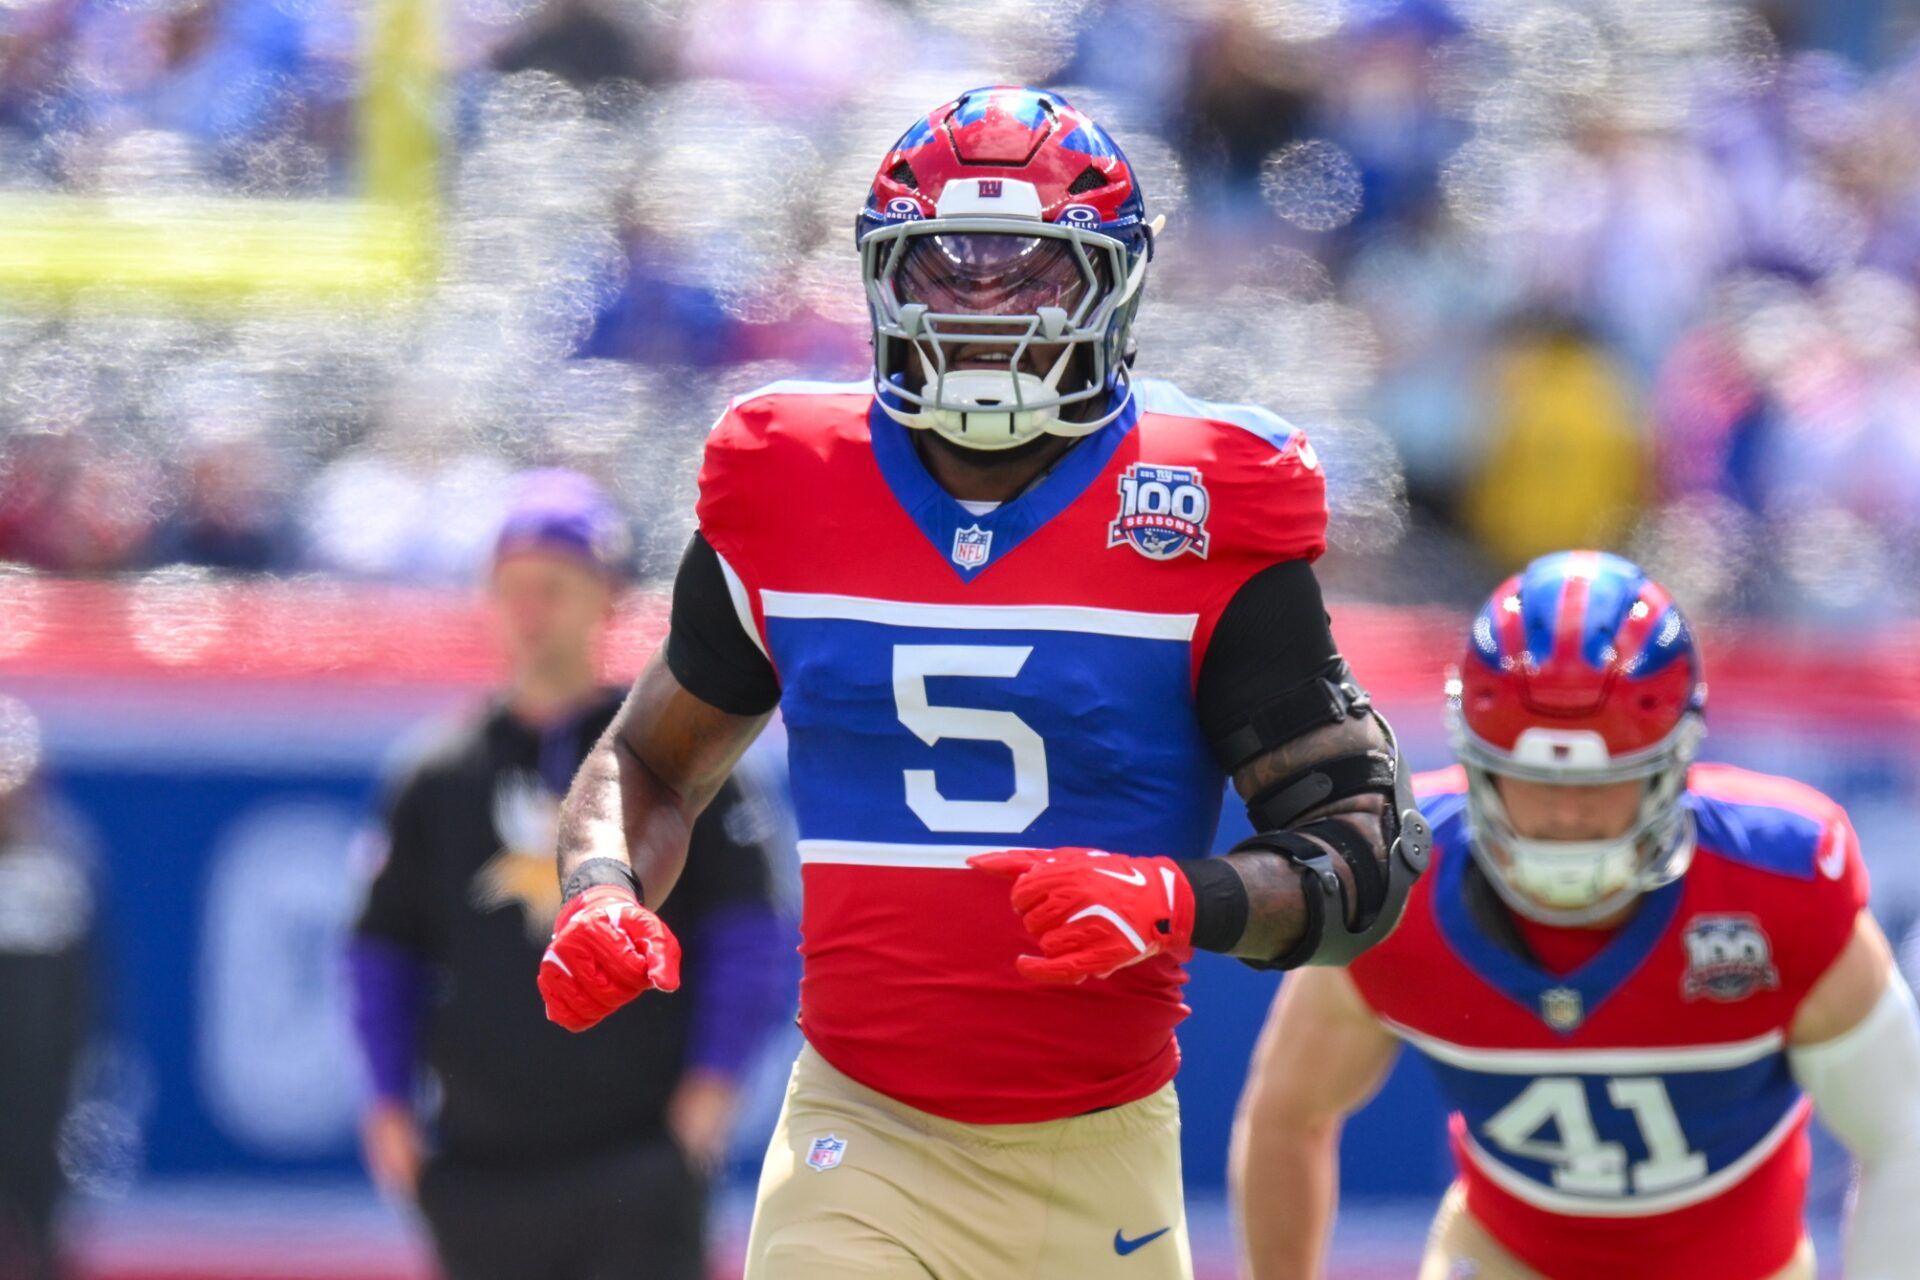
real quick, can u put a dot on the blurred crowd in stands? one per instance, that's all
(1531, 274)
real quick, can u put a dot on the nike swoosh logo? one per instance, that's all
(1113, 918)
(1833, 861)
(1124, 1246)
(1134, 877)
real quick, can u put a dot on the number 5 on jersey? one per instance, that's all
(931, 722)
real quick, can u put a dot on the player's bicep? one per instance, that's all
(1321, 1055)
(685, 742)
(1849, 989)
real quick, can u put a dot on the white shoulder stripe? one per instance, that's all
(1158, 396)
(1542, 1197)
(871, 853)
(1655, 1059)
(808, 387)
(742, 607)
(983, 617)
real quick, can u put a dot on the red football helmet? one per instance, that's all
(1002, 224)
(1579, 671)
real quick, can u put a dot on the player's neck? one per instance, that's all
(1606, 924)
(973, 476)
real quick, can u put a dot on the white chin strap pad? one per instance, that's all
(993, 426)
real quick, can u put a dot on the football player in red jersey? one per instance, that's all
(1631, 974)
(1021, 612)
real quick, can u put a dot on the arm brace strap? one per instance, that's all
(1337, 930)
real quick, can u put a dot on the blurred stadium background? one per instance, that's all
(292, 288)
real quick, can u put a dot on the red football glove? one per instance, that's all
(606, 950)
(1095, 912)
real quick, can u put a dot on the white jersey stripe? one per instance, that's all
(983, 617)
(1542, 1197)
(737, 592)
(870, 853)
(1651, 1060)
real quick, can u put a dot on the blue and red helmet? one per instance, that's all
(1003, 131)
(1580, 670)
(1003, 227)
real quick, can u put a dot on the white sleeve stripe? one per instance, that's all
(881, 853)
(1865, 1082)
(1865, 1085)
(742, 606)
(1127, 623)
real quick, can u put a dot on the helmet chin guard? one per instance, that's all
(1003, 246)
(1002, 408)
(1571, 883)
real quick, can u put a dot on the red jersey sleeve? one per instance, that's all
(1267, 504)
(728, 481)
(1270, 498)
(1834, 901)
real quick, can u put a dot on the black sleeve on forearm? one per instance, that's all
(708, 651)
(1273, 637)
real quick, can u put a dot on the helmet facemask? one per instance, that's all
(939, 287)
(1579, 882)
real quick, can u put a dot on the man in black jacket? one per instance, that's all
(604, 1141)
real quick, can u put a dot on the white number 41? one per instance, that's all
(1582, 1162)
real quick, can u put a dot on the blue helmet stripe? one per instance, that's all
(1670, 641)
(1540, 597)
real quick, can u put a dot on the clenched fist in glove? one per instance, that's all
(606, 949)
(1095, 912)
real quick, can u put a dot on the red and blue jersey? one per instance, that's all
(955, 682)
(1636, 1115)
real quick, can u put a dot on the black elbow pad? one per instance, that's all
(1337, 929)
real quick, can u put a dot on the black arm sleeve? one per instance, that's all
(708, 651)
(1273, 638)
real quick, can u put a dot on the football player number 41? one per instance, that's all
(930, 722)
(1582, 1162)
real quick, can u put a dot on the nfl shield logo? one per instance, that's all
(970, 546)
(825, 1153)
(1561, 1008)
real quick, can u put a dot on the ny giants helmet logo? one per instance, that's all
(1163, 512)
(1728, 958)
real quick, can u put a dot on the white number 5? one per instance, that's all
(912, 664)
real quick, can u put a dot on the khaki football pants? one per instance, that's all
(911, 1196)
(1459, 1248)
